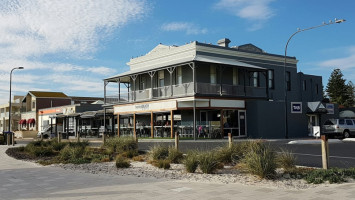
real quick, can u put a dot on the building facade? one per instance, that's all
(205, 90)
(15, 114)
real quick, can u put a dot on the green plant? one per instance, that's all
(260, 161)
(121, 144)
(122, 162)
(158, 153)
(130, 153)
(138, 158)
(191, 161)
(37, 150)
(58, 146)
(164, 164)
(286, 159)
(208, 162)
(333, 175)
(73, 154)
(175, 156)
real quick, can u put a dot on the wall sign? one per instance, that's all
(330, 108)
(296, 107)
(146, 107)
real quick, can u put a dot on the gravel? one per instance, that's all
(228, 175)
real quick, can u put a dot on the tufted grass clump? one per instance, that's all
(73, 154)
(121, 145)
(174, 155)
(122, 162)
(158, 152)
(260, 161)
(191, 161)
(286, 159)
(208, 162)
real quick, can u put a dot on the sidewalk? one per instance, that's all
(26, 180)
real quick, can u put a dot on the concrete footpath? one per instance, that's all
(26, 180)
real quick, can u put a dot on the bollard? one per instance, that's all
(103, 138)
(230, 140)
(78, 137)
(41, 136)
(177, 140)
(325, 151)
(8, 139)
(13, 139)
(59, 137)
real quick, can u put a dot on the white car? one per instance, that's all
(340, 127)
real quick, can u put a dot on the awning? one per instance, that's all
(22, 121)
(31, 121)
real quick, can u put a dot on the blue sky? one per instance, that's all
(70, 46)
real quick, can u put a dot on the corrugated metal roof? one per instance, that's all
(200, 58)
(45, 94)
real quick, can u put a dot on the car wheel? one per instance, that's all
(346, 134)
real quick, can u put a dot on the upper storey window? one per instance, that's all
(235, 76)
(213, 74)
(161, 78)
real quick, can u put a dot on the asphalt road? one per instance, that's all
(340, 154)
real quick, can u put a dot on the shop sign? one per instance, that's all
(330, 108)
(147, 107)
(296, 107)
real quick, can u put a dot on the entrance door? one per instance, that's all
(312, 121)
(242, 123)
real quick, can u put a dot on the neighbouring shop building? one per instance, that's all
(15, 114)
(206, 90)
(84, 120)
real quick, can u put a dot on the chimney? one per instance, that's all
(223, 42)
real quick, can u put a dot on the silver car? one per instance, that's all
(340, 127)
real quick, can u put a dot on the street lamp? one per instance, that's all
(336, 21)
(10, 97)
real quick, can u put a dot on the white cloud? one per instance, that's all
(35, 34)
(255, 11)
(188, 28)
(38, 27)
(347, 62)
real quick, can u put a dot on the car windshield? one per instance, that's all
(330, 122)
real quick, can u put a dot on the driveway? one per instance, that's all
(26, 180)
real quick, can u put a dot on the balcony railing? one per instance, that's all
(185, 90)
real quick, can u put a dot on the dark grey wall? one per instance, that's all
(264, 119)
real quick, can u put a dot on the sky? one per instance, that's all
(71, 46)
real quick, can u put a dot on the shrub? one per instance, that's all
(58, 146)
(81, 144)
(260, 161)
(286, 159)
(164, 164)
(208, 162)
(73, 154)
(158, 153)
(122, 162)
(333, 175)
(130, 153)
(191, 161)
(138, 158)
(121, 144)
(231, 154)
(175, 156)
(35, 149)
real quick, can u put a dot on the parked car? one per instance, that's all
(47, 131)
(340, 127)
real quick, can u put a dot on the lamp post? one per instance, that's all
(336, 21)
(10, 98)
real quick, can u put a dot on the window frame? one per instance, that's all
(271, 79)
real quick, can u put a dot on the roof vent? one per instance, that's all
(223, 42)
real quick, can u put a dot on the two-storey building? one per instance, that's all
(206, 90)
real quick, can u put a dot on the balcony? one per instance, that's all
(187, 89)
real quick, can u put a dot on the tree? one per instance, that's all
(338, 91)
